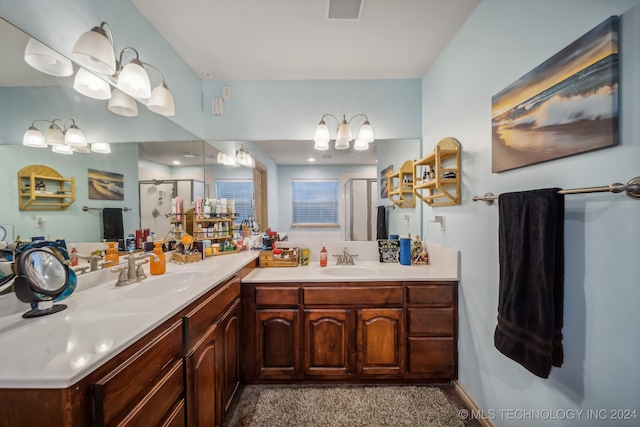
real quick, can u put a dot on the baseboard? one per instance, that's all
(471, 404)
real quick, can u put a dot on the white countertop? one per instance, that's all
(365, 271)
(101, 320)
(57, 350)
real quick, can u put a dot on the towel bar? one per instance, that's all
(87, 209)
(631, 188)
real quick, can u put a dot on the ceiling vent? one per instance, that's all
(345, 9)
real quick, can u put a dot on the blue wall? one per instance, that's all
(501, 41)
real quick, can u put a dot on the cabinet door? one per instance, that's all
(381, 349)
(328, 347)
(204, 382)
(231, 341)
(277, 343)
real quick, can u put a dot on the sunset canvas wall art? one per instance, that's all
(565, 106)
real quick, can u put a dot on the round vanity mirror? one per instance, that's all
(41, 277)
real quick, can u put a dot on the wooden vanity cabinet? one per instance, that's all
(432, 325)
(212, 337)
(144, 388)
(325, 331)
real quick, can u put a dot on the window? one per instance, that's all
(315, 203)
(239, 190)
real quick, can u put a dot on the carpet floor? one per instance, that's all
(328, 406)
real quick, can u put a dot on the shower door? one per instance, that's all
(360, 208)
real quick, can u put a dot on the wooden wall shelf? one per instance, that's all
(441, 185)
(41, 188)
(400, 186)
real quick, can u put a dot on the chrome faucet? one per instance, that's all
(132, 272)
(346, 258)
(93, 261)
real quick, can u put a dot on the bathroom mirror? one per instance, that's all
(32, 95)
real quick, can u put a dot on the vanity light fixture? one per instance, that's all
(88, 84)
(94, 50)
(344, 135)
(161, 100)
(44, 59)
(226, 160)
(101, 147)
(122, 104)
(244, 158)
(63, 138)
(133, 78)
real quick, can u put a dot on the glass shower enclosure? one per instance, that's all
(360, 196)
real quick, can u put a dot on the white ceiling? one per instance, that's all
(295, 40)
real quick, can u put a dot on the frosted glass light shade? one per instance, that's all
(161, 101)
(33, 138)
(344, 136)
(101, 147)
(54, 136)
(91, 85)
(360, 145)
(62, 149)
(94, 51)
(321, 137)
(47, 60)
(122, 104)
(366, 133)
(134, 80)
(74, 137)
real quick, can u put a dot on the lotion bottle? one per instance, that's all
(324, 256)
(160, 266)
(112, 258)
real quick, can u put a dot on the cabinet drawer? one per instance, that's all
(177, 417)
(276, 296)
(200, 318)
(353, 295)
(433, 356)
(430, 294)
(159, 401)
(431, 321)
(117, 393)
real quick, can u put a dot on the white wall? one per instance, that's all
(501, 41)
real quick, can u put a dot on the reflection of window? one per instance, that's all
(315, 202)
(239, 190)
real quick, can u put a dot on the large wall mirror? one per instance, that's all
(144, 151)
(145, 147)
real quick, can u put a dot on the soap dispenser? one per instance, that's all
(160, 266)
(324, 255)
(112, 258)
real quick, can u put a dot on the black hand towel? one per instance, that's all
(381, 229)
(112, 224)
(531, 255)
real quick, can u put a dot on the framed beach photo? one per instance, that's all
(565, 106)
(105, 185)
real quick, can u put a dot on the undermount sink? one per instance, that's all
(350, 270)
(168, 283)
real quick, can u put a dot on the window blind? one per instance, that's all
(239, 190)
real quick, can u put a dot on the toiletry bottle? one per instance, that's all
(324, 255)
(74, 259)
(112, 258)
(160, 266)
(131, 243)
